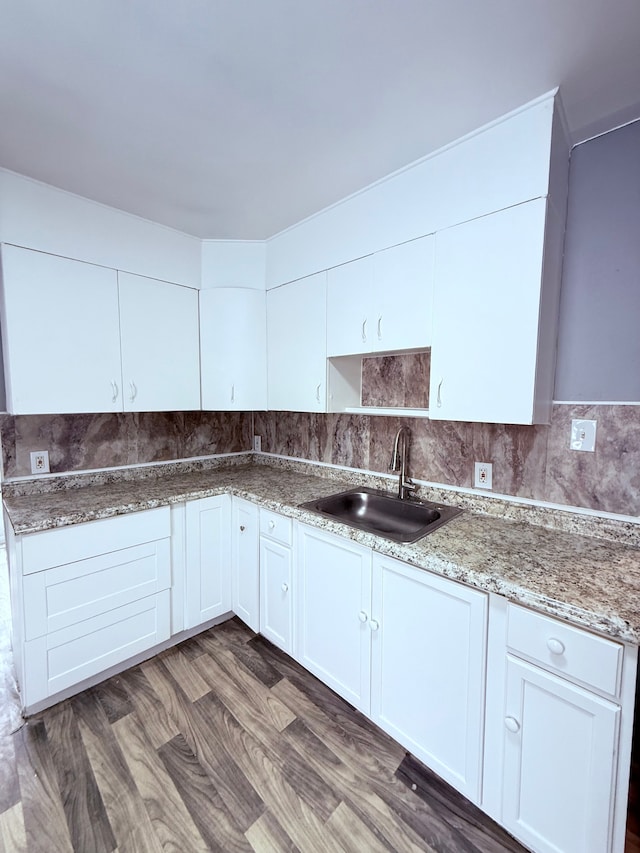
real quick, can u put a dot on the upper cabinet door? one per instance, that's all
(350, 317)
(160, 345)
(233, 349)
(296, 345)
(403, 287)
(486, 317)
(60, 334)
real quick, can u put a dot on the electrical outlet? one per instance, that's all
(257, 443)
(583, 435)
(40, 462)
(483, 475)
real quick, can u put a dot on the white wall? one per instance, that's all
(42, 217)
(234, 263)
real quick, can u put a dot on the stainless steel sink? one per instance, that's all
(384, 514)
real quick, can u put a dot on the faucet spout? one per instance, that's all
(399, 462)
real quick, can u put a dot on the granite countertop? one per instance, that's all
(591, 582)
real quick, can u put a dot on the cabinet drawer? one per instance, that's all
(60, 597)
(276, 527)
(79, 541)
(566, 650)
(66, 657)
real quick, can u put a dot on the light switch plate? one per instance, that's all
(583, 435)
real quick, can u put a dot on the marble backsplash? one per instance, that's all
(397, 380)
(80, 442)
(528, 461)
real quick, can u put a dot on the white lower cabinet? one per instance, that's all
(333, 606)
(245, 562)
(559, 762)
(428, 669)
(208, 559)
(276, 579)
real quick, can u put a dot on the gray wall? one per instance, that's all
(599, 334)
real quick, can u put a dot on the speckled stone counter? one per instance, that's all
(592, 582)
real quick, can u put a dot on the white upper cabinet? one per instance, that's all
(60, 334)
(382, 302)
(296, 345)
(233, 346)
(160, 348)
(494, 319)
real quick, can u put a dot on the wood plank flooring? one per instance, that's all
(222, 744)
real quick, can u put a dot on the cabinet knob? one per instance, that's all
(364, 330)
(233, 393)
(512, 724)
(439, 400)
(362, 616)
(556, 647)
(114, 388)
(318, 393)
(374, 624)
(285, 587)
(242, 528)
(134, 391)
(380, 327)
(272, 524)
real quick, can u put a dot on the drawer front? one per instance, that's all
(67, 657)
(58, 598)
(276, 527)
(80, 541)
(569, 651)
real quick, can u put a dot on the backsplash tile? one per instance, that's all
(397, 380)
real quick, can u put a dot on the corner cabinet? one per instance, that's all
(208, 559)
(245, 562)
(297, 346)
(495, 309)
(233, 343)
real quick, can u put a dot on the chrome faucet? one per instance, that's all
(399, 462)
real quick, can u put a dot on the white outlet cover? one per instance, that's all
(257, 443)
(483, 478)
(583, 435)
(39, 461)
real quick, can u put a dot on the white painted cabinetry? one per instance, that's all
(296, 345)
(382, 302)
(428, 669)
(245, 562)
(494, 319)
(333, 607)
(60, 334)
(159, 342)
(233, 346)
(276, 579)
(208, 559)
(87, 597)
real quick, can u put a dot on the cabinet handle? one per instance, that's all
(380, 327)
(272, 524)
(233, 393)
(114, 388)
(318, 392)
(439, 400)
(364, 330)
(512, 724)
(242, 528)
(362, 616)
(285, 587)
(134, 391)
(556, 647)
(374, 624)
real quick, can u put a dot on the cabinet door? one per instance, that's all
(428, 669)
(276, 611)
(233, 349)
(245, 562)
(351, 324)
(160, 345)
(559, 763)
(297, 346)
(486, 308)
(208, 559)
(60, 334)
(403, 286)
(333, 584)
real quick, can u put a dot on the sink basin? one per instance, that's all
(384, 514)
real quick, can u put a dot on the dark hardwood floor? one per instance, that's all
(225, 744)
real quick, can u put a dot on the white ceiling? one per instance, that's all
(237, 118)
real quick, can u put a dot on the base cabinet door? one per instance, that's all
(208, 559)
(559, 763)
(333, 583)
(245, 562)
(276, 610)
(428, 669)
